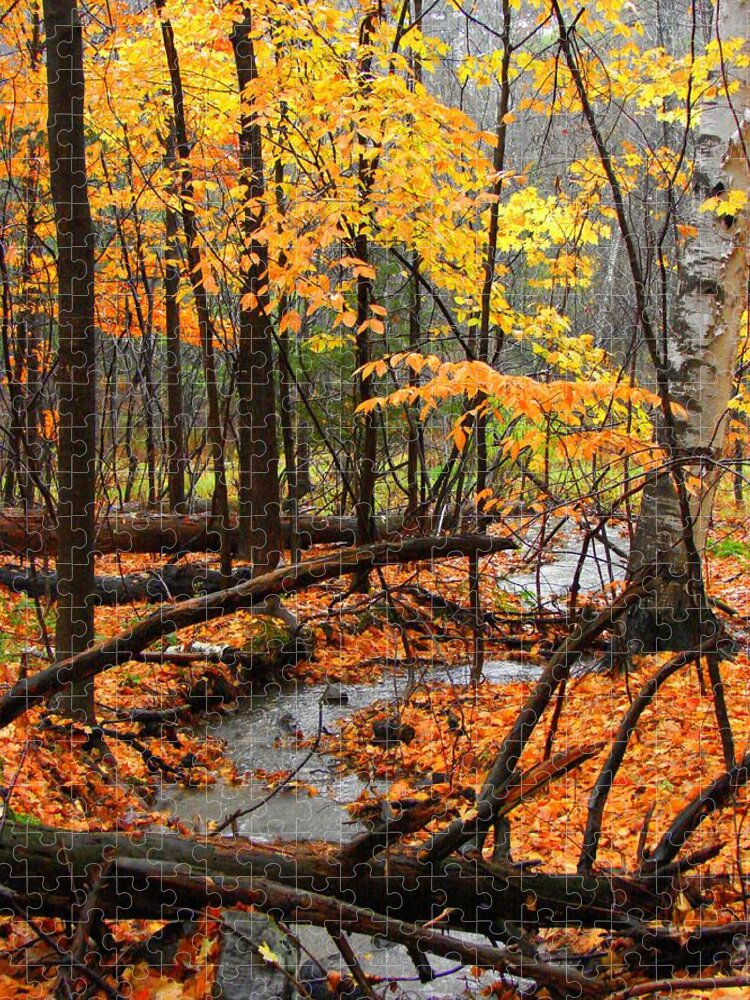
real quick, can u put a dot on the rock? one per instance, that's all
(336, 694)
(161, 948)
(435, 778)
(316, 981)
(392, 731)
(241, 972)
(289, 724)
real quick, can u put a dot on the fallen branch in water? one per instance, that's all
(32, 690)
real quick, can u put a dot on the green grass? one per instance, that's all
(730, 548)
(24, 818)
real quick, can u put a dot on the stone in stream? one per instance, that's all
(322, 986)
(242, 973)
(336, 694)
(392, 731)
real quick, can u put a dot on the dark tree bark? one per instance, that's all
(501, 774)
(416, 477)
(367, 438)
(175, 432)
(605, 781)
(302, 472)
(163, 583)
(287, 411)
(399, 884)
(76, 371)
(367, 442)
(162, 876)
(198, 284)
(259, 515)
(416, 483)
(150, 532)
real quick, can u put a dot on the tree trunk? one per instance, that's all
(485, 315)
(416, 478)
(175, 432)
(76, 368)
(303, 480)
(287, 410)
(259, 502)
(197, 280)
(151, 410)
(366, 438)
(702, 354)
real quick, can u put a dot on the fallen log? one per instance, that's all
(668, 987)
(29, 691)
(168, 583)
(711, 799)
(163, 875)
(130, 887)
(147, 532)
(663, 951)
(606, 778)
(502, 772)
(469, 893)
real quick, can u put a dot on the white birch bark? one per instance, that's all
(703, 342)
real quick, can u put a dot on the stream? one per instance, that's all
(257, 737)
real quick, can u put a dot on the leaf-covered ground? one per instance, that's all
(53, 775)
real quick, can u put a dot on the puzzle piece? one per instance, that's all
(373, 548)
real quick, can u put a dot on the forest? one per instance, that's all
(374, 543)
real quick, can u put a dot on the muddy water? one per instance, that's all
(258, 736)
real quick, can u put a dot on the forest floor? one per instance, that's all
(52, 776)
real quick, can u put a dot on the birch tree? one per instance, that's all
(700, 352)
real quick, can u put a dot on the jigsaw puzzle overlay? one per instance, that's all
(373, 525)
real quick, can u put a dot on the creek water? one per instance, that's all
(258, 737)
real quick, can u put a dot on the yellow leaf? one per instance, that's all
(728, 203)
(291, 320)
(268, 953)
